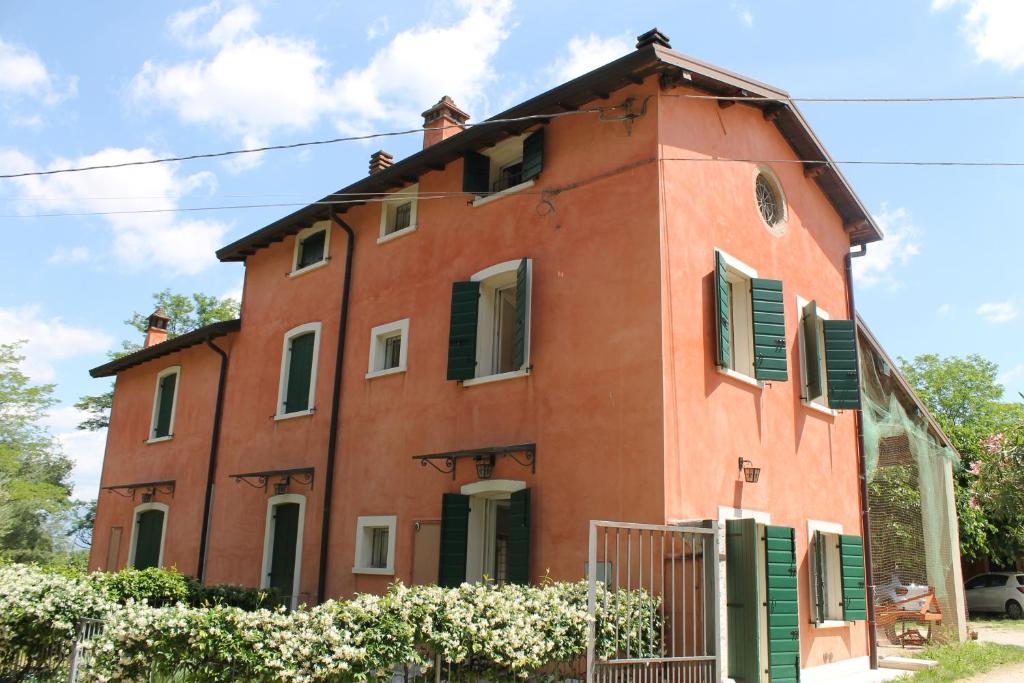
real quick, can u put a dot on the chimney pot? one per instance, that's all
(652, 37)
(156, 330)
(442, 121)
(380, 161)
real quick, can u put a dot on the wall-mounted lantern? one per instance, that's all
(750, 473)
(484, 465)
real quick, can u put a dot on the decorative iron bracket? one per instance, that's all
(259, 480)
(527, 451)
(148, 487)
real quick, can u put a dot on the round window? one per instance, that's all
(769, 200)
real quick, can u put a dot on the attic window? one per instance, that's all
(771, 203)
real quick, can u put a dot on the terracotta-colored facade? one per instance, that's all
(631, 418)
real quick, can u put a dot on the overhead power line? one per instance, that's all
(850, 100)
(311, 143)
(376, 197)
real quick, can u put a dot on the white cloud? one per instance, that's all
(73, 255)
(588, 53)
(944, 310)
(743, 13)
(998, 311)
(236, 291)
(1011, 376)
(23, 73)
(993, 27)
(254, 85)
(84, 448)
(378, 27)
(174, 242)
(900, 244)
(48, 340)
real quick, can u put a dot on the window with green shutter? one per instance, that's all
(298, 370)
(451, 570)
(512, 162)
(723, 317)
(783, 611)
(489, 331)
(810, 339)
(311, 247)
(855, 604)
(519, 538)
(769, 329)
(164, 404)
(841, 369)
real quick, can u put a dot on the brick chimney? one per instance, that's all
(442, 121)
(156, 332)
(652, 37)
(380, 161)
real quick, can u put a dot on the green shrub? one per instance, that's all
(226, 595)
(155, 586)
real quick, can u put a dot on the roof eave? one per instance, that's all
(189, 339)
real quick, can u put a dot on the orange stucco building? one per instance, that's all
(598, 309)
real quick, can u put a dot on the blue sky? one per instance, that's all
(85, 83)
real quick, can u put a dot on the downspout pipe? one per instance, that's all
(332, 439)
(863, 475)
(212, 466)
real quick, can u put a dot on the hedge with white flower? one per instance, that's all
(483, 630)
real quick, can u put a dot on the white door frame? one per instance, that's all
(135, 528)
(268, 541)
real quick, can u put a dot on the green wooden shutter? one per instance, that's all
(724, 358)
(476, 173)
(300, 372)
(165, 399)
(851, 561)
(462, 330)
(769, 329)
(519, 537)
(783, 612)
(743, 606)
(311, 250)
(522, 306)
(282, 555)
(148, 535)
(841, 364)
(812, 352)
(533, 155)
(451, 571)
(816, 565)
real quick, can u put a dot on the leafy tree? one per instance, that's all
(966, 400)
(34, 472)
(187, 313)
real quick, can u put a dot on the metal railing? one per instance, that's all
(676, 566)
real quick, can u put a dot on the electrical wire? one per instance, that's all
(312, 143)
(378, 197)
(850, 100)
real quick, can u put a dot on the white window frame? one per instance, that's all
(268, 541)
(508, 151)
(378, 336)
(834, 576)
(741, 346)
(485, 321)
(819, 404)
(388, 206)
(364, 530)
(139, 509)
(480, 527)
(172, 370)
(282, 389)
(303, 234)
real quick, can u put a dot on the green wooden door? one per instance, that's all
(451, 570)
(148, 537)
(518, 570)
(282, 554)
(743, 606)
(781, 596)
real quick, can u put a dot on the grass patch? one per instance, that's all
(957, 662)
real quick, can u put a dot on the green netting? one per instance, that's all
(914, 538)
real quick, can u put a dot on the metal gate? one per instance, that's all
(653, 602)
